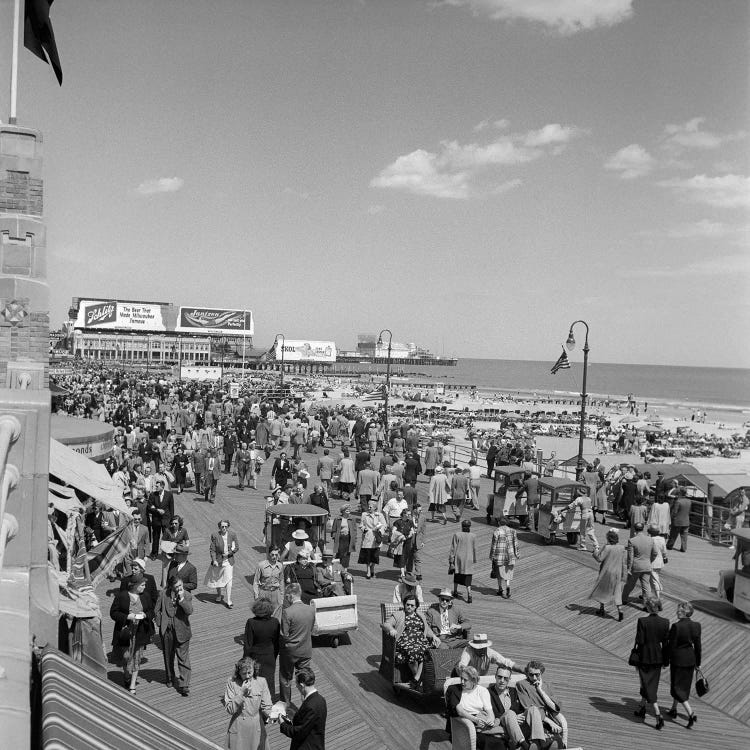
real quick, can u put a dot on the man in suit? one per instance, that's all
(182, 569)
(367, 485)
(414, 553)
(539, 707)
(325, 469)
(297, 621)
(641, 553)
(161, 510)
(448, 621)
(680, 520)
(172, 617)
(229, 447)
(506, 708)
(307, 729)
(330, 578)
(211, 476)
(138, 536)
(281, 470)
(199, 468)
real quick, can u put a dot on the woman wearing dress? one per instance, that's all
(401, 532)
(613, 572)
(684, 657)
(248, 701)
(262, 641)
(659, 516)
(219, 575)
(132, 611)
(503, 554)
(373, 526)
(462, 558)
(413, 637)
(438, 493)
(652, 649)
(658, 562)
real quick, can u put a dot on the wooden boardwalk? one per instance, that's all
(548, 618)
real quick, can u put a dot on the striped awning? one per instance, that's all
(81, 711)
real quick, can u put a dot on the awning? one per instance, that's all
(82, 711)
(85, 475)
(63, 498)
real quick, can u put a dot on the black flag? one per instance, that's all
(38, 36)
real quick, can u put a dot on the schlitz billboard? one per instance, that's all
(109, 314)
(215, 320)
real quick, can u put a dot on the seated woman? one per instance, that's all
(470, 700)
(481, 657)
(413, 637)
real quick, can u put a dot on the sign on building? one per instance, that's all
(215, 320)
(110, 314)
(306, 351)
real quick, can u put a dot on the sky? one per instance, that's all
(473, 175)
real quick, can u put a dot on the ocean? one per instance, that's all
(713, 387)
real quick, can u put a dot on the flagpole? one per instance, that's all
(14, 61)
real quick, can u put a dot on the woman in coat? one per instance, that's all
(246, 699)
(652, 650)
(613, 572)
(503, 555)
(438, 493)
(132, 610)
(684, 658)
(373, 526)
(344, 536)
(462, 558)
(347, 475)
(262, 641)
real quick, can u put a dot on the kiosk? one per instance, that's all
(555, 494)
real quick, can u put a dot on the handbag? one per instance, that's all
(124, 636)
(701, 683)
(493, 572)
(634, 660)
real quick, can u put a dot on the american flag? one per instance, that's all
(90, 567)
(563, 363)
(377, 395)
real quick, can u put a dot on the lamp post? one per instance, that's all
(570, 343)
(387, 373)
(283, 342)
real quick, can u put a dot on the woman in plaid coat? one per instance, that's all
(503, 554)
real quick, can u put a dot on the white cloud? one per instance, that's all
(497, 124)
(690, 135)
(722, 265)
(564, 16)
(461, 171)
(727, 191)
(160, 185)
(375, 209)
(631, 162)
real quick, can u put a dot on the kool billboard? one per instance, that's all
(215, 320)
(306, 351)
(108, 314)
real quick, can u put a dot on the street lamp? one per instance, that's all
(387, 373)
(283, 342)
(570, 343)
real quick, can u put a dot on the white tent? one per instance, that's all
(85, 475)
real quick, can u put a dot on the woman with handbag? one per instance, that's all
(372, 526)
(132, 610)
(685, 659)
(650, 653)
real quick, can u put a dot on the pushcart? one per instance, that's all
(555, 494)
(285, 518)
(735, 585)
(502, 502)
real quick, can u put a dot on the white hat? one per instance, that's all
(480, 640)
(299, 534)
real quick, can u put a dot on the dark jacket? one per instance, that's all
(261, 637)
(652, 641)
(308, 727)
(119, 612)
(151, 587)
(188, 575)
(165, 502)
(497, 705)
(177, 615)
(685, 644)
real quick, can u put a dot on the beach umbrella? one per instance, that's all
(629, 419)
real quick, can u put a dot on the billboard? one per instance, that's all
(215, 320)
(200, 373)
(306, 351)
(109, 314)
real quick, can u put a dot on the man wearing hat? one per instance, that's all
(407, 584)
(298, 543)
(330, 579)
(344, 536)
(182, 569)
(448, 621)
(302, 573)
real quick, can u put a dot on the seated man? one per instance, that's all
(303, 573)
(330, 578)
(506, 708)
(539, 709)
(448, 621)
